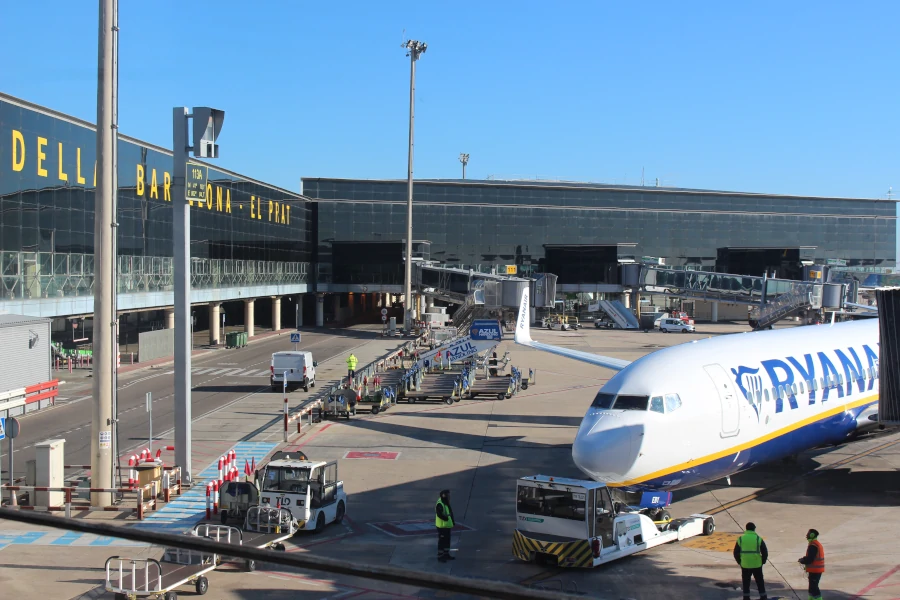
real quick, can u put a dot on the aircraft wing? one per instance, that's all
(523, 337)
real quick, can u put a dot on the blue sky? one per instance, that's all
(797, 98)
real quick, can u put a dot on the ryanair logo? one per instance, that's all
(840, 369)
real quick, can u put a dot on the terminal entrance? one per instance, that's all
(782, 263)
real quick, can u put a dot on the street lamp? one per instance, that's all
(464, 159)
(414, 49)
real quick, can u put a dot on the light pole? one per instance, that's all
(464, 159)
(414, 49)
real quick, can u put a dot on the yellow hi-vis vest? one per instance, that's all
(750, 544)
(439, 522)
(351, 362)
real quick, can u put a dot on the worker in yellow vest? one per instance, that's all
(351, 368)
(751, 554)
(443, 520)
(814, 563)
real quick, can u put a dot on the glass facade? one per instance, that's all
(479, 224)
(245, 232)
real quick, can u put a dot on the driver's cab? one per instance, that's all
(311, 491)
(554, 509)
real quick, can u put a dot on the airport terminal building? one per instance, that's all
(258, 251)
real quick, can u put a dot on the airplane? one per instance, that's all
(705, 410)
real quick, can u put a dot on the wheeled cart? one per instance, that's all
(145, 577)
(264, 527)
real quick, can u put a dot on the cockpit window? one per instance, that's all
(603, 400)
(656, 404)
(624, 402)
(673, 402)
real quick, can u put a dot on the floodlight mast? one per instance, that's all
(414, 49)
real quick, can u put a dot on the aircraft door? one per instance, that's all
(731, 410)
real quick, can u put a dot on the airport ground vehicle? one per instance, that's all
(298, 367)
(573, 322)
(555, 322)
(604, 323)
(310, 490)
(669, 325)
(576, 523)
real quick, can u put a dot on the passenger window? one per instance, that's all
(673, 402)
(656, 404)
(802, 391)
(766, 394)
(793, 389)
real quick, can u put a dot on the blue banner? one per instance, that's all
(486, 330)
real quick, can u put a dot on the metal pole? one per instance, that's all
(407, 289)
(115, 242)
(150, 410)
(285, 407)
(464, 170)
(104, 263)
(181, 237)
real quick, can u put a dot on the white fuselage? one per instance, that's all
(744, 399)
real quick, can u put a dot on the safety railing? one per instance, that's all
(57, 275)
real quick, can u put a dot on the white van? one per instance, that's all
(299, 367)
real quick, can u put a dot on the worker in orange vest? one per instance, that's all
(814, 562)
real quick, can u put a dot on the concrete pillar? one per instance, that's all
(429, 303)
(248, 316)
(214, 320)
(170, 318)
(714, 317)
(626, 300)
(320, 310)
(276, 313)
(298, 320)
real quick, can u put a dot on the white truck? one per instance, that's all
(310, 490)
(575, 523)
(297, 367)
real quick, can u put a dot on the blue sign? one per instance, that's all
(295, 338)
(486, 330)
(2, 428)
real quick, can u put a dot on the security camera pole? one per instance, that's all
(413, 50)
(188, 184)
(464, 159)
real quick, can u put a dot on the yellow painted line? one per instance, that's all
(747, 445)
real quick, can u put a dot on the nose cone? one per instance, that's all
(606, 446)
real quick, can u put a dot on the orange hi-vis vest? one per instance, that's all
(818, 565)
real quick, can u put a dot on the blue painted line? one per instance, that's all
(103, 541)
(66, 538)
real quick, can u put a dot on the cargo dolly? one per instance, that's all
(497, 387)
(145, 577)
(440, 386)
(265, 527)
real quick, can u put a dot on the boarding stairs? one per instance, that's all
(800, 296)
(619, 313)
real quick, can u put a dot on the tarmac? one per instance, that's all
(478, 449)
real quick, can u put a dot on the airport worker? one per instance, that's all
(351, 367)
(751, 554)
(443, 519)
(814, 563)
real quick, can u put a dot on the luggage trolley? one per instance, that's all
(264, 527)
(145, 577)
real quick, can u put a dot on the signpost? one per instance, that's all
(188, 185)
(149, 409)
(295, 339)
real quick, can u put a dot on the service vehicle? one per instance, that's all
(310, 490)
(555, 322)
(298, 366)
(680, 314)
(669, 324)
(604, 323)
(573, 322)
(576, 523)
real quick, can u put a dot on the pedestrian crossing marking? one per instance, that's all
(719, 541)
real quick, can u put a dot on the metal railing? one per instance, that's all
(55, 275)
(799, 295)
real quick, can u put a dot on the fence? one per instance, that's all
(25, 400)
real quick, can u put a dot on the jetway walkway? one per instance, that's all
(771, 299)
